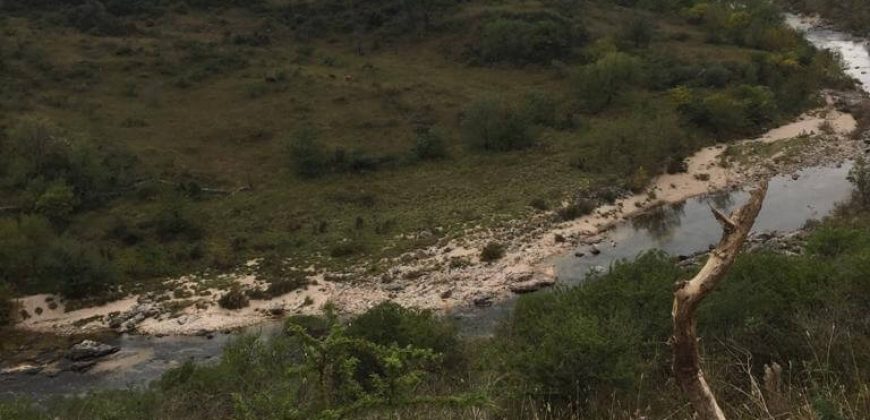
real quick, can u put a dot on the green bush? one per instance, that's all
(39, 161)
(741, 110)
(597, 85)
(593, 339)
(7, 306)
(57, 202)
(391, 324)
(307, 156)
(494, 125)
(521, 41)
(859, 176)
(233, 299)
(23, 253)
(493, 251)
(176, 220)
(577, 208)
(79, 271)
(636, 147)
(430, 144)
(540, 108)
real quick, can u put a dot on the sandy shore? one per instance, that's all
(450, 275)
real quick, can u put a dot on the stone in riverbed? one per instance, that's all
(22, 370)
(482, 301)
(89, 350)
(532, 285)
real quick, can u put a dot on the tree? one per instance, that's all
(78, 271)
(599, 83)
(23, 245)
(859, 176)
(57, 203)
(495, 125)
(430, 144)
(689, 294)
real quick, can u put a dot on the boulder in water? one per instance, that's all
(89, 350)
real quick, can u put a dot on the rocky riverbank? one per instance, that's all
(451, 274)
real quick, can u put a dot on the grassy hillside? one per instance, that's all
(148, 139)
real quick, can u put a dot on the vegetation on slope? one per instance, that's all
(594, 351)
(147, 139)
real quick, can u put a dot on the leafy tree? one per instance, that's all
(540, 108)
(519, 41)
(430, 144)
(389, 323)
(79, 271)
(23, 245)
(595, 338)
(495, 125)
(598, 84)
(57, 203)
(859, 176)
(176, 220)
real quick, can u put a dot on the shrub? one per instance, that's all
(234, 299)
(37, 155)
(519, 41)
(391, 324)
(176, 220)
(78, 271)
(540, 108)
(493, 251)
(307, 156)
(638, 141)
(595, 338)
(539, 204)
(7, 306)
(578, 208)
(346, 249)
(859, 176)
(598, 84)
(23, 246)
(494, 125)
(430, 144)
(57, 202)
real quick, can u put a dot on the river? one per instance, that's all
(679, 229)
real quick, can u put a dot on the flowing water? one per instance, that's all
(678, 229)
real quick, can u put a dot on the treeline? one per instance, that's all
(594, 351)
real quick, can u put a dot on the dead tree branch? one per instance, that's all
(689, 294)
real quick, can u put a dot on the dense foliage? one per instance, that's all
(598, 350)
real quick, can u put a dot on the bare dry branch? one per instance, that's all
(689, 294)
